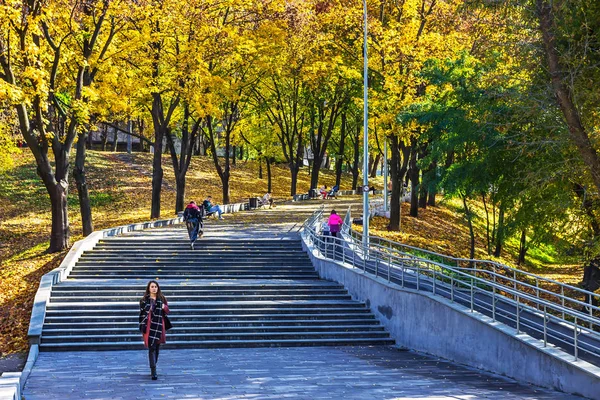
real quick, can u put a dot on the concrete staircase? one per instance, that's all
(225, 293)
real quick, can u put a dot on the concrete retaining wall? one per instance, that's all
(431, 324)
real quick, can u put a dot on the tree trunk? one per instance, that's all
(471, 231)
(414, 180)
(314, 177)
(433, 188)
(522, 247)
(157, 177)
(104, 137)
(60, 234)
(340, 156)
(294, 172)
(269, 176)
(396, 185)
(431, 198)
(588, 206)
(564, 94)
(82, 188)
(234, 155)
(180, 195)
(89, 139)
(260, 173)
(355, 159)
(373, 173)
(226, 192)
(397, 172)
(157, 171)
(487, 225)
(423, 196)
(500, 232)
(115, 141)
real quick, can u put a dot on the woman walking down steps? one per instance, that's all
(154, 322)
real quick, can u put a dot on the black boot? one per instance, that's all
(152, 358)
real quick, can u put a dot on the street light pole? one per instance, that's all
(365, 135)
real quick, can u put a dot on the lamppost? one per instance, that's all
(366, 135)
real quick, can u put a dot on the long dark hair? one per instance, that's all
(159, 294)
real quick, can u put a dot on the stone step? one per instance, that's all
(100, 346)
(282, 259)
(170, 293)
(183, 306)
(194, 312)
(198, 252)
(196, 275)
(197, 336)
(190, 263)
(224, 293)
(181, 323)
(195, 297)
(133, 330)
(291, 315)
(202, 243)
(213, 241)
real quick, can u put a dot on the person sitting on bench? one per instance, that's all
(333, 192)
(323, 191)
(212, 208)
(267, 199)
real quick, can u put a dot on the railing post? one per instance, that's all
(562, 300)
(389, 266)
(537, 292)
(518, 316)
(376, 266)
(494, 295)
(354, 257)
(575, 339)
(545, 327)
(472, 295)
(452, 288)
(434, 281)
(591, 312)
(494, 303)
(402, 275)
(418, 274)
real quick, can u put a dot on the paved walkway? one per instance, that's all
(277, 373)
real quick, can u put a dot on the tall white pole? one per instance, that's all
(385, 176)
(366, 135)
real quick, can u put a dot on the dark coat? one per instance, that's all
(193, 211)
(152, 321)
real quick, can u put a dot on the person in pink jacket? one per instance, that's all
(335, 223)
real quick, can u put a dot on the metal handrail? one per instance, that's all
(563, 325)
(559, 293)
